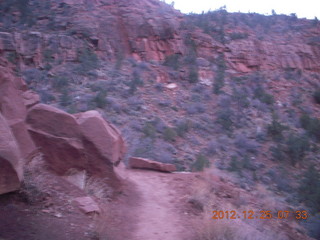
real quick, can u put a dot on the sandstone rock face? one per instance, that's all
(14, 111)
(246, 54)
(143, 163)
(85, 142)
(11, 173)
(30, 98)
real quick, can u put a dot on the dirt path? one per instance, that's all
(158, 213)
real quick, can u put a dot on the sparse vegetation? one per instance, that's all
(149, 130)
(201, 163)
(311, 125)
(100, 99)
(220, 74)
(172, 61)
(297, 146)
(316, 96)
(275, 129)
(309, 190)
(88, 60)
(169, 134)
(60, 83)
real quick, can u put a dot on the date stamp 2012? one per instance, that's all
(299, 215)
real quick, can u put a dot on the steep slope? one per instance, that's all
(237, 91)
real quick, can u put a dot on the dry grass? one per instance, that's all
(98, 187)
(205, 196)
(210, 229)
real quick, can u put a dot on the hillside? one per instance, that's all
(234, 95)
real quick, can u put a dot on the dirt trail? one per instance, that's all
(158, 214)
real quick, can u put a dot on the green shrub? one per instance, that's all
(169, 134)
(297, 146)
(100, 99)
(316, 96)
(264, 97)
(135, 82)
(234, 165)
(220, 74)
(172, 61)
(193, 75)
(309, 189)
(200, 163)
(277, 153)
(88, 60)
(275, 129)
(224, 118)
(60, 82)
(65, 98)
(149, 130)
(183, 127)
(238, 35)
(311, 125)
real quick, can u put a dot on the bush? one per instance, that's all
(200, 163)
(46, 97)
(309, 189)
(234, 165)
(225, 119)
(193, 75)
(316, 96)
(238, 35)
(60, 82)
(135, 82)
(311, 125)
(264, 97)
(297, 146)
(275, 129)
(172, 61)
(277, 153)
(241, 98)
(169, 134)
(65, 98)
(100, 99)
(195, 108)
(219, 78)
(149, 130)
(182, 127)
(88, 60)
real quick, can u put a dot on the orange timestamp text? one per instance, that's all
(299, 215)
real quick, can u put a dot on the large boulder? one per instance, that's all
(11, 164)
(81, 142)
(143, 163)
(14, 111)
(104, 136)
(57, 134)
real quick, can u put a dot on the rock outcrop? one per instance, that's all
(143, 163)
(81, 142)
(11, 173)
(14, 111)
(104, 136)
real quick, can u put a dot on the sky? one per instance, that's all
(302, 8)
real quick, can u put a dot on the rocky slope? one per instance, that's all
(237, 91)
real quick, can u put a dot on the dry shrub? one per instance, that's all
(34, 188)
(233, 229)
(205, 197)
(98, 187)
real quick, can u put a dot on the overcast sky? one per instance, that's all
(303, 8)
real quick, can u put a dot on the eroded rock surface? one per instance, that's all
(143, 163)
